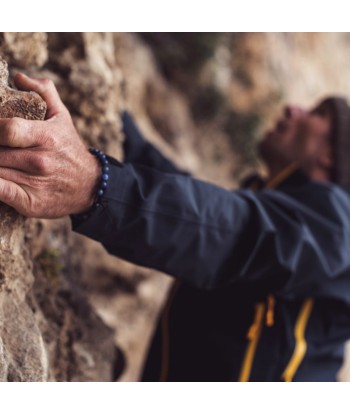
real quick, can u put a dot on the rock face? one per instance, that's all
(28, 105)
(48, 330)
(20, 360)
(22, 352)
(203, 100)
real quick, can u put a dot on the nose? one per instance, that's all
(293, 111)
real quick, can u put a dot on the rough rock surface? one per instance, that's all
(28, 105)
(48, 329)
(20, 359)
(22, 352)
(203, 100)
(24, 50)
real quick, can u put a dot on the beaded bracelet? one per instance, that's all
(104, 180)
(78, 218)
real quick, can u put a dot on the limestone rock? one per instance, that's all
(28, 105)
(24, 49)
(22, 351)
(48, 330)
(21, 360)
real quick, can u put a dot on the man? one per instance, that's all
(263, 277)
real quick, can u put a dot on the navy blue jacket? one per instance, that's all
(262, 289)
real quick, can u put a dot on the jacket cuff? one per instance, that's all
(89, 223)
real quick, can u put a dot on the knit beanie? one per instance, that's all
(340, 138)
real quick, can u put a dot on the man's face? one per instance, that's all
(299, 136)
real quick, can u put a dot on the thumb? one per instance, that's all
(12, 194)
(45, 88)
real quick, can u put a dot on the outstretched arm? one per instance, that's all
(208, 236)
(195, 231)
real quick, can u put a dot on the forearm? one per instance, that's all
(208, 236)
(172, 223)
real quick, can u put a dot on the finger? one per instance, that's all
(45, 88)
(17, 132)
(13, 195)
(14, 175)
(22, 160)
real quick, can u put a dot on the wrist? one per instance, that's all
(95, 182)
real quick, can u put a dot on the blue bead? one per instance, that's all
(103, 185)
(105, 169)
(103, 156)
(105, 177)
(100, 192)
(98, 205)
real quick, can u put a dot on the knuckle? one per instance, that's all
(16, 122)
(65, 113)
(48, 140)
(12, 195)
(47, 145)
(40, 163)
(12, 129)
(46, 84)
(9, 193)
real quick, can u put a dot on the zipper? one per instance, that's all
(300, 341)
(253, 336)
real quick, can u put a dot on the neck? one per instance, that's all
(320, 175)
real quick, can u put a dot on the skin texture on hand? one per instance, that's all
(46, 171)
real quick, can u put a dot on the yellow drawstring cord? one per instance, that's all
(253, 335)
(283, 174)
(255, 329)
(262, 312)
(300, 341)
(270, 313)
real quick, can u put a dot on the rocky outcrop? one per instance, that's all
(203, 100)
(48, 329)
(28, 105)
(20, 359)
(23, 354)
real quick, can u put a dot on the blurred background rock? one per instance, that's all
(204, 100)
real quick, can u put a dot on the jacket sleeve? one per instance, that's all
(138, 150)
(208, 236)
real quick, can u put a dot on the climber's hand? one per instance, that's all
(46, 171)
